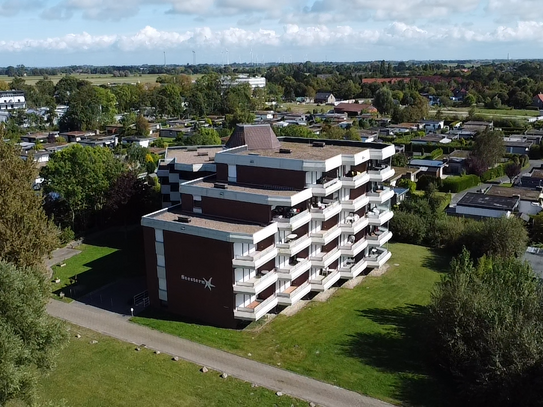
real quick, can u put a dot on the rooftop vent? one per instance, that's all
(192, 148)
(319, 144)
(284, 151)
(203, 153)
(183, 219)
(220, 185)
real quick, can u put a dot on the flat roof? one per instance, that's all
(460, 154)
(525, 194)
(186, 156)
(536, 173)
(210, 183)
(173, 213)
(306, 151)
(484, 201)
(398, 171)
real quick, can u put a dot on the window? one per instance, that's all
(159, 235)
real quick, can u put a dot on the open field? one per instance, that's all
(462, 112)
(111, 255)
(96, 79)
(112, 373)
(369, 339)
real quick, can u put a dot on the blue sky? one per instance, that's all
(103, 32)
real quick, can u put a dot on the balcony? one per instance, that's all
(380, 195)
(377, 257)
(293, 294)
(354, 205)
(380, 173)
(325, 187)
(325, 236)
(324, 212)
(324, 282)
(355, 181)
(325, 259)
(256, 284)
(354, 249)
(353, 270)
(354, 224)
(256, 310)
(292, 222)
(379, 217)
(293, 271)
(255, 259)
(293, 245)
(379, 238)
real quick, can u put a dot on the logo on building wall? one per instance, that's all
(206, 283)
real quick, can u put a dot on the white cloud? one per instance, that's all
(9, 8)
(505, 10)
(397, 34)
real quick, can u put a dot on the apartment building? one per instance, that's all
(12, 99)
(274, 223)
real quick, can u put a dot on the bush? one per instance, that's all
(425, 180)
(486, 331)
(457, 184)
(492, 173)
(408, 184)
(408, 227)
(66, 236)
(436, 153)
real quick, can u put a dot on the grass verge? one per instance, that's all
(112, 373)
(368, 339)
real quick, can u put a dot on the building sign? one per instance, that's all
(206, 283)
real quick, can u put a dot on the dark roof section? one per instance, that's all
(523, 193)
(256, 136)
(499, 203)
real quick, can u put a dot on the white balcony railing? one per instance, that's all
(353, 270)
(356, 181)
(377, 257)
(293, 294)
(379, 238)
(354, 249)
(354, 205)
(325, 211)
(325, 259)
(293, 222)
(256, 284)
(352, 225)
(324, 282)
(255, 259)
(293, 271)
(325, 236)
(381, 195)
(293, 246)
(379, 217)
(380, 174)
(326, 188)
(253, 313)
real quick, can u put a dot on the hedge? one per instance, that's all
(436, 153)
(492, 173)
(457, 184)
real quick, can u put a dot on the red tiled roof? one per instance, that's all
(539, 96)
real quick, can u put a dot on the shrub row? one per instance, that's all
(436, 153)
(458, 184)
(492, 173)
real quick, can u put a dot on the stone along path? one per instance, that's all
(279, 380)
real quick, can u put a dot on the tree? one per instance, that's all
(26, 235)
(205, 136)
(399, 160)
(79, 177)
(29, 338)
(383, 101)
(486, 331)
(142, 126)
(89, 108)
(487, 150)
(512, 169)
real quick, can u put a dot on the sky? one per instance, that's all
(132, 32)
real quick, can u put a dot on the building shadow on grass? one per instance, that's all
(400, 348)
(113, 279)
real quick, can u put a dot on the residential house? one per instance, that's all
(432, 125)
(477, 126)
(432, 168)
(537, 101)
(533, 179)
(431, 139)
(76, 136)
(174, 132)
(530, 199)
(354, 109)
(516, 146)
(479, 205)
(457, 162)
(409, 173)
(282, 219)
(326, 98)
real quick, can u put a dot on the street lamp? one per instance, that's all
(132, 311)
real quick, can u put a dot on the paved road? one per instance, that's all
(295, 385)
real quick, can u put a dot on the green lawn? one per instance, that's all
(367, 339)
(501, 113)
(111, 373)
(104, 258)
